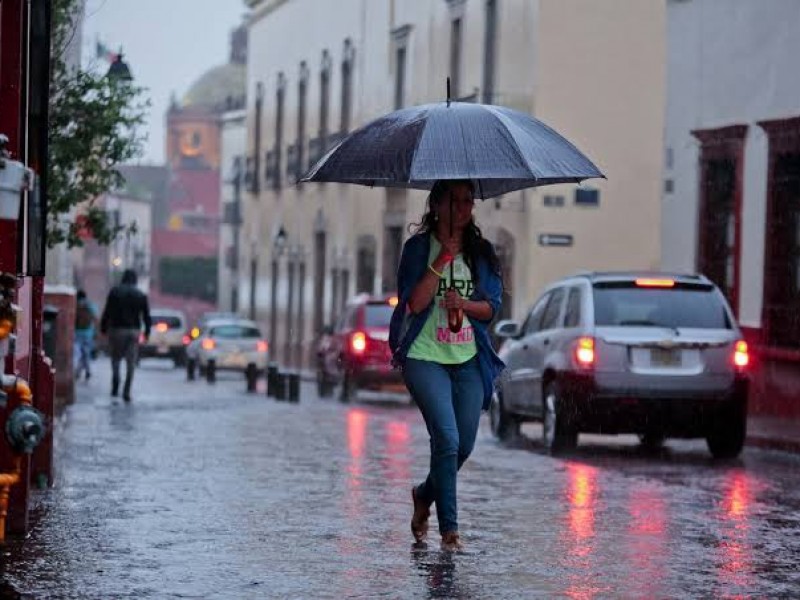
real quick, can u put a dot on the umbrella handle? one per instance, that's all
(455, 319)
(455, 316)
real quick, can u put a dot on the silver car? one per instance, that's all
(657, 355)
(231, 345)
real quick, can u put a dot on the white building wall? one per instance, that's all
(728, 63)
(233, 144)
(594, 71)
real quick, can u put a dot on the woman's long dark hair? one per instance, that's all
(475, 246)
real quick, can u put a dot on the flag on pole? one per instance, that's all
(104, 52)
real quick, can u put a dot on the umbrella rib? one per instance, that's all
(416, 147)
(515, 145)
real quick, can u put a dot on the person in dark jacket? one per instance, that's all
(449, 371)
(125, 312)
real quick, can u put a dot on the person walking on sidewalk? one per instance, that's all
(449, 372)
(125, 312)
(85, 330)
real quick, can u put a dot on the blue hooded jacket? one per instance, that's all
(405, 326)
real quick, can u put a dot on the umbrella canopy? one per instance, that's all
(501, 150)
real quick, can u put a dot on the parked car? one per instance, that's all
(230, 345)
(168, 336)
(355, 351)
(652, 354)
(193, 347)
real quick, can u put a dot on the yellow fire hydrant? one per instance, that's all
(24, 431)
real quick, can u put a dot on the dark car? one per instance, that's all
(355, 351)
(657, 355)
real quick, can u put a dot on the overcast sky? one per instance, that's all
(168, 44)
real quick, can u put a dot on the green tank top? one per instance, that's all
(436, 343)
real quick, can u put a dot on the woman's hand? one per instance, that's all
(447, 254)
(452, 299)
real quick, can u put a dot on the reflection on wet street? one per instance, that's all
(205, 492)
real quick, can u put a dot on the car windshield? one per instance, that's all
(377, 315)
(171, 322)
(631, 306)
(234, 331)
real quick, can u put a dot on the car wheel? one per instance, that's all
(504, 426)
(349, 388)
(729, 430)
(211, 372)
(179, 361)
(324, 386)
(558, 432)
(190, 369)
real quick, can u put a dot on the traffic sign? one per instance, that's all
(555, 239)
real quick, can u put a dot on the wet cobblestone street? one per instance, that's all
(199, 491)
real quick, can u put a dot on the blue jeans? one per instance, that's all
(450, 398)
(84, 344)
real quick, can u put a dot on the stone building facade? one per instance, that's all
(316, 70)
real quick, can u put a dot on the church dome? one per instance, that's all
(218, 89)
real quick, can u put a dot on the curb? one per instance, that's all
(770, 443)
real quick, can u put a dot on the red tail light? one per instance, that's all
(141, 338)
(186, 340)
(209, 344)
(262, 346)
(358, 342)
(584, 352)
(741, 355)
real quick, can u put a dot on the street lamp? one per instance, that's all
(278, 247)
(119, 70)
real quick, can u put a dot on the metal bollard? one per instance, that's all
(294, 386)
(251, 374)
(272, 379)
(280, 385)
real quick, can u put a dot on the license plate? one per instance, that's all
(665, 357)
(163, 350)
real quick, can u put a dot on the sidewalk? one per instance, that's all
(779, 433)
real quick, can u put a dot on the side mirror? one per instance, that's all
(507, 328)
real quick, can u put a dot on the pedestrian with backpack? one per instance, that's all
(85, 330)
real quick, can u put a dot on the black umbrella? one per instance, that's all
(499, 149)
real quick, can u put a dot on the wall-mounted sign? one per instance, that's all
(555, 239)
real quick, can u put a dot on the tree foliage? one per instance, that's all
(93, 128)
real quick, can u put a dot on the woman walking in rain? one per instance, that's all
(449, 289)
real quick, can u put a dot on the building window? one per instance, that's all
(781, 307)
(324, 97)
(348, 59)
(489, 48)
(392, 248)
(302, 94)
(719, 223)
(587, 197)
(399, 78)
(365, 264)
(280, 96)
(455, 56)
(553, 201)
(400, 40)
(320, 251)
(254, 183)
